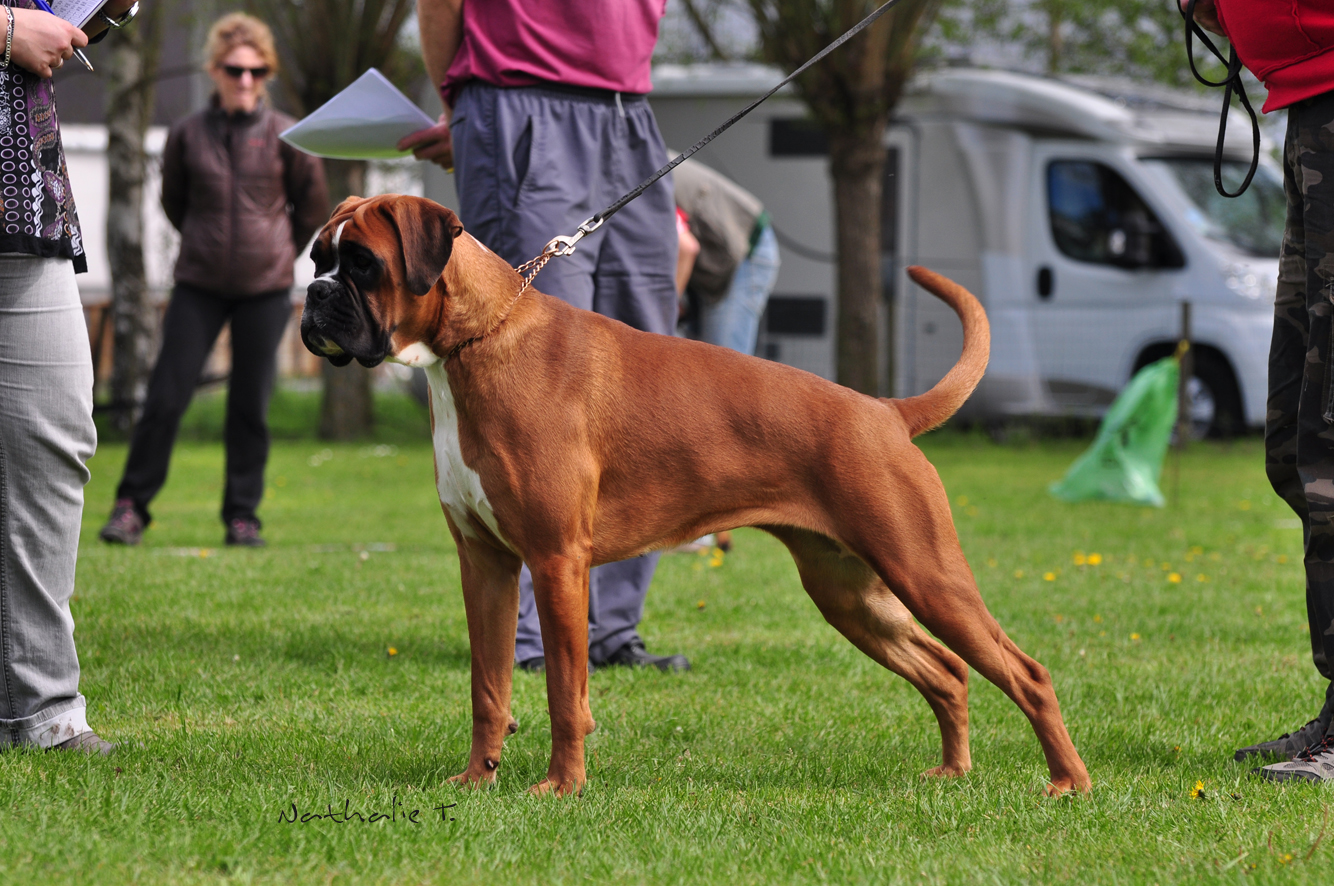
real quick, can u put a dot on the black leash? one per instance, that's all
(565, 245)
(1232, 82)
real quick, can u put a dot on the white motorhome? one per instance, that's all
(1081, 213)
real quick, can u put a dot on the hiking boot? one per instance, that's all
(1289, 744)
(634, 655)
(125, 527)
(1316, 763)
(243, 533)
(86, 743)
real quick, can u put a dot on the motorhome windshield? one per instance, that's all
(1252, 222)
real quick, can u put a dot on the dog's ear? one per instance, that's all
(427, 231)
(347, 205)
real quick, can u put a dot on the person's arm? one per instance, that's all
(687, 252)
(41, 41)
(114, 9)
(175, 183)
(306, 192)
(440, 23)
(1206, 16)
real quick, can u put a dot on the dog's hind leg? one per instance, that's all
(917, 554)
(491, 600)
(854, 600)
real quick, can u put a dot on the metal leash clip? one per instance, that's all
(556, 247)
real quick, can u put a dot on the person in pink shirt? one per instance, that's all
(545, 123)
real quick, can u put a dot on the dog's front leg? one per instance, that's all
(560, 586)
(491, 600)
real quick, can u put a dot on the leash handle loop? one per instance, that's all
(1232, 83)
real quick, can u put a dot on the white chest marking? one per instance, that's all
(416, 354)
(459, 486)
(333, 274)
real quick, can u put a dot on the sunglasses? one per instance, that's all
(235, 72)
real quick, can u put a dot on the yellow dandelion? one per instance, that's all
(1097, 619)
(717, 559)
(1134, 636)
(1282, 558)
(1019, 573)
(1095, 559)
(1198, 791)
(393, 651)
(1079, 558)
(699, 605)
(962, 501)
(1049, 576)
(1175, 578)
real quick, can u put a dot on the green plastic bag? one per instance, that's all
(1126, 458)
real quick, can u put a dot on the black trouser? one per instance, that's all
(1299, 426)
(194, 319)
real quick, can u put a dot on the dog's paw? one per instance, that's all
(563, 789)
(475, 778)
(944, 771)
(1061, 787)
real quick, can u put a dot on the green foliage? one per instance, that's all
(1137, 39)
(326, 44)
(240, 682)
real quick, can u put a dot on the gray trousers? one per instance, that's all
(46, 436)
(531, 163)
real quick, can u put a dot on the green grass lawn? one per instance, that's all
(332, 668)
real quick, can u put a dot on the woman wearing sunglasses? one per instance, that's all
(244, 202)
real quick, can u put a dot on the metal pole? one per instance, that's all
(1187, 371)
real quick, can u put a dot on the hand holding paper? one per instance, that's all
(363, 122)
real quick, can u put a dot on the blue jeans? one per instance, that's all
(734, 320)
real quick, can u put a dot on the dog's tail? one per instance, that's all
(932, 409)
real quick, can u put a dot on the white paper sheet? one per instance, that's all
(76, 12)
(363, 122)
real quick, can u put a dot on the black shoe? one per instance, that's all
(538, 664)
(243, 533)
(125, 527)
(634, 655)
(1289, 744)
(86, 743)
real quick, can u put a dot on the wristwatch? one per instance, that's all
(123, 20)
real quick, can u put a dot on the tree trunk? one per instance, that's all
(857, 163)
(131, 72)
(346, 410)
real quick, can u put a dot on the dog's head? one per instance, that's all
(375, 260)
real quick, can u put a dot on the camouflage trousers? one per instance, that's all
(1299, 421)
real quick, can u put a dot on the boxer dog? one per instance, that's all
(564, 439)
